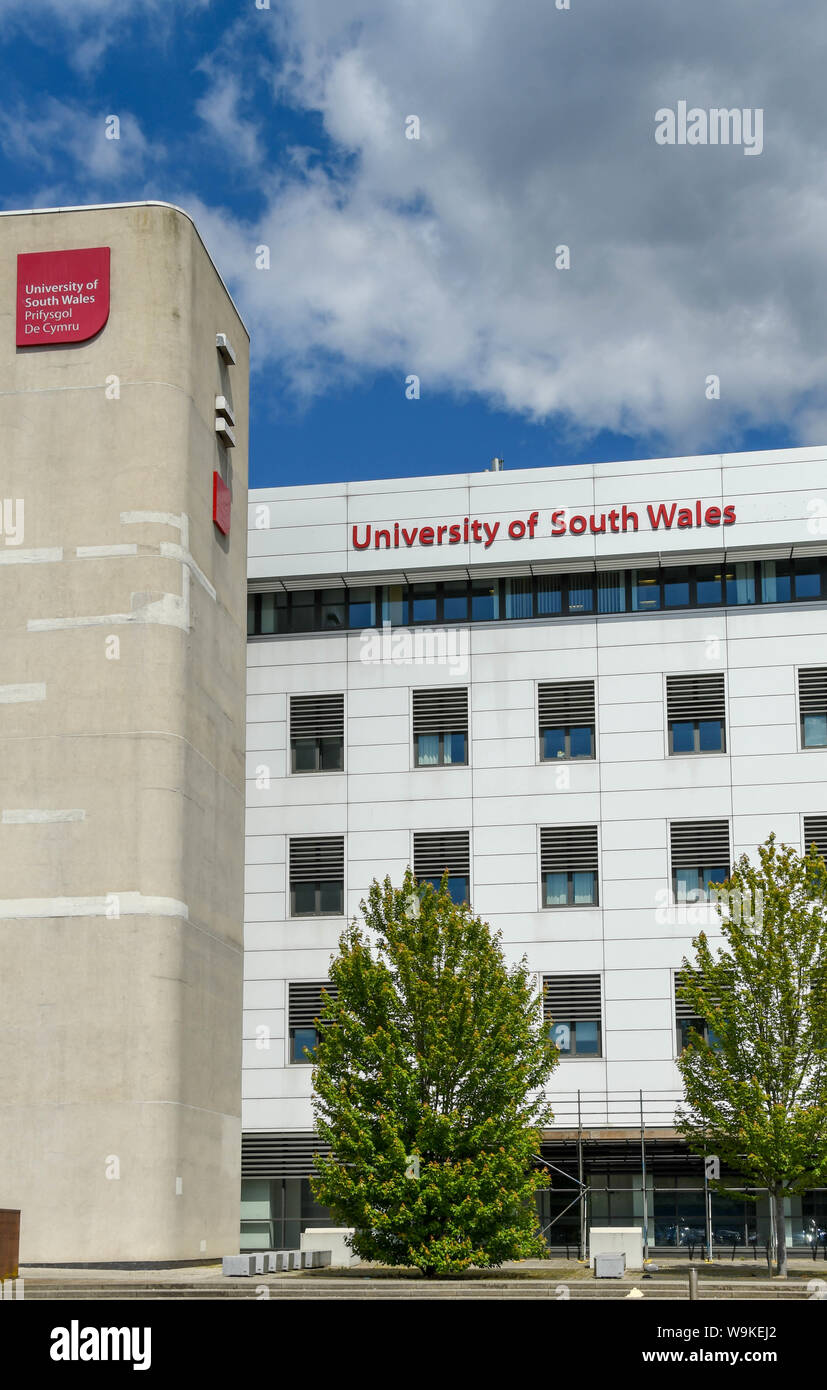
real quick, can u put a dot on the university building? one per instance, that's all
(583, 691)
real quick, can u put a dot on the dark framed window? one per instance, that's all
(572, 1012)
(568, 866)
(776, 581)
(709, 585)
(485, 600)
(812, 702)
(700, 857)
(305, 1006)
(645, 590)
(688, 1022)
(317, 872)
(438, 852)
(581, 593)
(317, 733)
(566, 715)
(440, 726)
(361, 607)
(696, 713)
(677, 586)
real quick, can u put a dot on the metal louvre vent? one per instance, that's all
(683, 1009)
(568, 848)
(436, 852)
(696, 697)
(699, 843)
(317, 857)
(812, 690)
(574, 998)
(441, 711)
(815, 833)
(305, 1001)
(317, 716)
(266, 1155)
(563, 703)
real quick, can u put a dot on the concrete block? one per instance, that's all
(331, 1239)
(234, 1265)
(617, 1240)
(609, 1266)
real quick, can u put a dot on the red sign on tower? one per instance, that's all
(62, 296)
(221, 503)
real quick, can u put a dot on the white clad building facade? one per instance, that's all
(582, 690)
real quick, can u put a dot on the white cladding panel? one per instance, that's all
(635, 938)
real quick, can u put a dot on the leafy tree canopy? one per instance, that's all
(430, 1045)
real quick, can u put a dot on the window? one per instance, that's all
(317, 733)
(361, 607)
(700, 856)
(423, 604)
(440, 727)
(304, 1008)
(568, 865)
(566, 719)
(807, 579)
(455, 601)
(676, 590)
(549, 595)
(611, 592)
(394, 604)
(696, 713)
(776, 581)
(687, 1021)
(815, 833)
(485, 600)
(581, 593)
(572, 1012)
(708, 580)
(317, 876)
(740, 584)
(332, 609)
(519, 598)
(645, 590)
(812, 700)
(441, 851)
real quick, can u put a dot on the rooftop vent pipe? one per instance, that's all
(496, 466)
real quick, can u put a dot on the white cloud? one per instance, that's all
(437, 256)
(68, 146)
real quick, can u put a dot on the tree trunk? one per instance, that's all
(780, 1233)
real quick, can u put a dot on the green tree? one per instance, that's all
(432, 1046)
(756, 1090)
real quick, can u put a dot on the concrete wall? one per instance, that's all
(635, 938)
(120, 891)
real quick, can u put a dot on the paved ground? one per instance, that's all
(531, 1279)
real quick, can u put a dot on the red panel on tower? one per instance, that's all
(221, 503)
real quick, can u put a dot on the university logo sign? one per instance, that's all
(62, 296)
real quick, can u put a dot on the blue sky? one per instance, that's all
(286, 128)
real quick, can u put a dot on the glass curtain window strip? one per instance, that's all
(740, 583)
